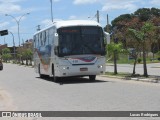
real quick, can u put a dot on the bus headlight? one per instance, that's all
(100, 66)
(64, 68)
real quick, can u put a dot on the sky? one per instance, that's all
(40, 13)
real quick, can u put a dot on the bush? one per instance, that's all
(158, 53)
(139, 60)
(159, 58)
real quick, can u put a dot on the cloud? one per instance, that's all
(11, 1)
(130, 6)
(13, 29)
(46, 22)
(84, 1)
(56, 0)
(155, 2)
(9, 6)
(108, 5)
(72, 17)
(3, 24)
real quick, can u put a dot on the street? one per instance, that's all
(21, 89)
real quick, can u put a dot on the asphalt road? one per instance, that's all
(21, 89)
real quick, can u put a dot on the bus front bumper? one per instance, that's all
(79, 70)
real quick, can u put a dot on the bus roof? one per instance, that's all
(67, 23)
(60, 24)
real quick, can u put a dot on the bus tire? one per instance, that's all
(39, 71)
(55, 79)
(92, 77)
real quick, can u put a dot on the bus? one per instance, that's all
(70, 48)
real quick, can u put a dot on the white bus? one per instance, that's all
(70, 48)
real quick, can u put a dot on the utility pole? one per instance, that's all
(98, 16)
(14, 49)
(107, 24)
(51, 10)
(23, 42)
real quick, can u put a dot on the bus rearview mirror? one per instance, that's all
(56, 39)
(107, 37)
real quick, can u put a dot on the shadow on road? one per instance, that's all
(72, 80)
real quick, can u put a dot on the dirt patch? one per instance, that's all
(1, 98)
(6, 103)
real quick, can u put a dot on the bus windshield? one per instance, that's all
(81, 40)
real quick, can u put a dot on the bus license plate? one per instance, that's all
(83, 69)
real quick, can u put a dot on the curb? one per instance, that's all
(152, 80)
(156, 67)
(112, 76)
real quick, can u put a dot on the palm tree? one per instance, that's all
(142, 38)
(113, 50)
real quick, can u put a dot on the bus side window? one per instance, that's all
(47, 37)
(34, 41)
(37, 40)
(41, 39)
(50, 35)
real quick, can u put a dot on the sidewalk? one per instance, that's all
(153, 72)
(153, 69)
(151, 79)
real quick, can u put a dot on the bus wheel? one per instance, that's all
(92, 77)
(39, 71)
(55, 79)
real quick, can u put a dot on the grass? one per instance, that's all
(124, 74)
(120, 74)
(123, 59)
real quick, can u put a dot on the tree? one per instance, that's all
(143, 13)
(114, 49)
(25, 54)
(136, 21)
(146, 14)
(6, 54)
(142, 37)
(118, 22)
(136, 46)
(156, 36)
(109, 27)
(28, 55)
(20, 52)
